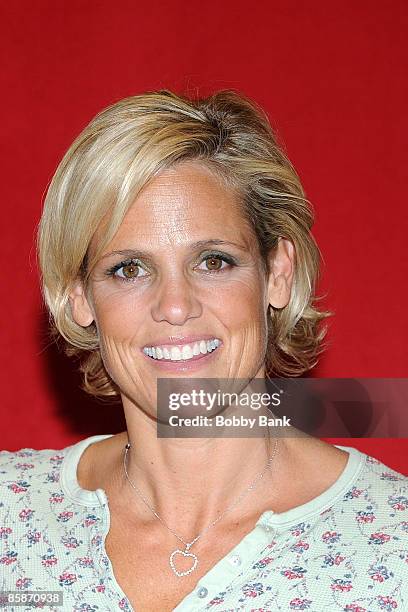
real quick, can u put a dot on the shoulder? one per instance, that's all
(26, 471)
(379, 478)
(42, 530)
(382, 490)
(28, 461)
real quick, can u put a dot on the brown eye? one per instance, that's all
(127, 271)
(130, 270)
(213, 263)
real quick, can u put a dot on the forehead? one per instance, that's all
(182, 204)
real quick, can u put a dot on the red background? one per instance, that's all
(332, 77)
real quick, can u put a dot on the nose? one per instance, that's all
(176, 301)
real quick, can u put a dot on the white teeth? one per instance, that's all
(175, 353)
(187, 351)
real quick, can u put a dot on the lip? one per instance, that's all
(179, 340)
(186, 365)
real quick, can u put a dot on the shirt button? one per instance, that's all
(202, 592)
(235, 560)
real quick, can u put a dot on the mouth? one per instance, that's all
(186, 352)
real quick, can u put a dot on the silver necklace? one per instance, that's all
(186, 552)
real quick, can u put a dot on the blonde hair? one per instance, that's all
(112, 159)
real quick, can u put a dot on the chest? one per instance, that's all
(145, 576)
(142, 569)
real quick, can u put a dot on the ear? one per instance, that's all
(282, 265)
(80, 307)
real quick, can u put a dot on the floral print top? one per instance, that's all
(345, 550)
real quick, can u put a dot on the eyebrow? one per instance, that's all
(194, 245)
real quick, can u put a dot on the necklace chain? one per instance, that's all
(189, 544)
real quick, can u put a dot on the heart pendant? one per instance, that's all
(185, 554)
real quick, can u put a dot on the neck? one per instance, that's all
(189, 482)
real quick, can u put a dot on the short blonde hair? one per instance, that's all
(115, 156)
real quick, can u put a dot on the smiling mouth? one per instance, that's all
(182, 352)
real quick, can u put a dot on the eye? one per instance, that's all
(132, 269)
(127, 271)
(214, 261)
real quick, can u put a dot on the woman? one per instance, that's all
(174, 243)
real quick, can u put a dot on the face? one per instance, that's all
(180, 291)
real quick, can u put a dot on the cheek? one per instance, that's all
(242, 313)
(119, 314)
(119, 353)
(117, 326)
(241, 307)
(118, 330)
